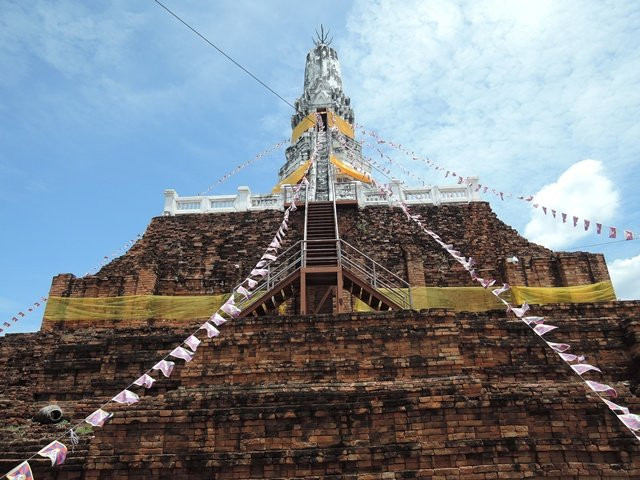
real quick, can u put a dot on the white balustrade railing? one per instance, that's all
(357, 192)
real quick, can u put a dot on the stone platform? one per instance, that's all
(431, 394)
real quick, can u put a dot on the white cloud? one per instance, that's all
(625, 274)
(582, 190)
(500, 89)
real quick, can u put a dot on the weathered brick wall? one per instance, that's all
(208, 254)
(398, 395)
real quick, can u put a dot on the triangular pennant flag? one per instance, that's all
(615, 406)
(564, 218)
(628, 235)
(544, 210)
(145, 381)
(533, 320)
(601, 387)
(98, 418)
(21, 472)
(268, 256)
(165, 366)
(542, 329)
(570, 357)
(586, 225)
(485, 283)
(126, 396)
(55, 451)
(598, 228)
(192, 342)
(631, 420)
(252, 283)
(553, 212)
(183, 353)
(217, 319)
(211, 330)
(259, 272)
(612, 232)
(581, 368)
(575, 221)
(230, 309)
(499, 291)
(520, 311)
(559, 347)
(243, 291)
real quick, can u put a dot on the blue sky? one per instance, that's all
(103, 105)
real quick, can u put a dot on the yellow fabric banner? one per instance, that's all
(293, 178)
(345, 127)
(347, 169)
(460, 299)
(596, 292)
(307, 122)
(310, 120)
(134, 307)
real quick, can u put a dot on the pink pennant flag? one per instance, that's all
(192, 342)
(259, 272)
(553, 213)
(485, 283)
(598, 228)
(275, 243)
(559, 347)
(230, 309)
(165, 366)
(252, 283)
(183, 353)
(268, 256)
(586, 225)
(499, 291)
(529, 198)
(460, 180)
(542, 329)
(484, 190)
(261, 263)
(145, 381)
(575, 221)
(217, 319)
(631, 420)
(569, 357)
(612, 232)
(21, 472)
(615, 406)
(544, 210)
(519, 312)
(628, 235)
(126, 396)
(601, 387)
(564, 218)
(55, 451)
(243, 291)
(533, 320)
(98, 418)
(211, 330)
(581, 368)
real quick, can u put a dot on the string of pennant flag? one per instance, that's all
(537, 324)
(577, 221)
(57, 451)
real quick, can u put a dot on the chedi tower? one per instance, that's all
(334, 328)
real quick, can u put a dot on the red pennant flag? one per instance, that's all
(586, 225)
(598, 228)
(553, 212)
(544, 209)
(575, 221)
(612, 232)
(628, 235)
(564, 218)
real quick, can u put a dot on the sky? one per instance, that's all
(104, 105)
